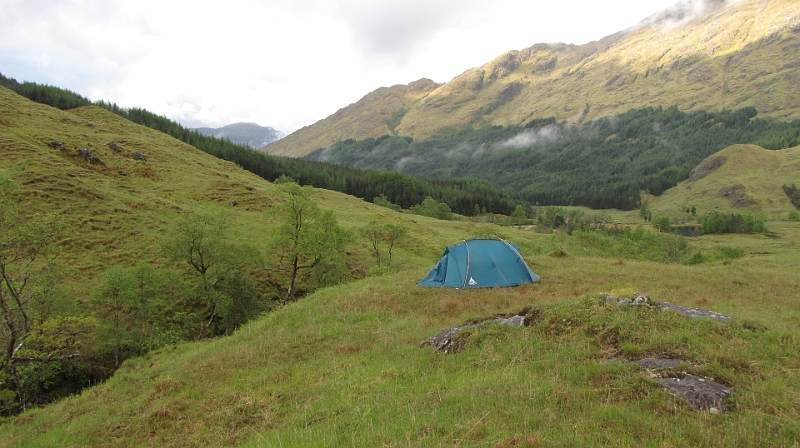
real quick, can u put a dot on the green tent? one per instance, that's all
(480, 263)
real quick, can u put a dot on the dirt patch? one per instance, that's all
(737, 195)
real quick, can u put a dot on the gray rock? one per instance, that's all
(693, 312)
(654, 363)
(87, 155)
(702, 393)
(444, 339)
(514, 321)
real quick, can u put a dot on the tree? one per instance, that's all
(32, 340)
(393, 232)
(433, 208)
(117, 297)
(644, 211)
(306, 236)
(374, 232)
(662, 223)
(200, 241)
(519, 215)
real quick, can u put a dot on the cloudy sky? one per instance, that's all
(279, 63)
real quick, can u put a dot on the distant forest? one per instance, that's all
(461, 195)
(601, 164)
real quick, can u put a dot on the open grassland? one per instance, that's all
(342, 366)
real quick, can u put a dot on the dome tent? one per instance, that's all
(480, 263)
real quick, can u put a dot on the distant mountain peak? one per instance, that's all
(250, 134)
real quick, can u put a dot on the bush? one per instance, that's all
(638, 244)
(721, 253)
(794, 215)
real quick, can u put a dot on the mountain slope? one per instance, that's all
(603, 163)
(742, 54)
(249, 134)
(376, 114)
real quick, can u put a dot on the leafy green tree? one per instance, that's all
(433, 208)
(117, 304)
(392, 234)
(200, 242)
(374, 233)
(662, 223)
(33, 341)
(519, 215)
(306, 236)
(644, 211)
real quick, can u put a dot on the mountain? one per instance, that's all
(732, 55)
(603, 163)
(249, 134)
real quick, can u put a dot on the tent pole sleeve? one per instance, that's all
(466, 274)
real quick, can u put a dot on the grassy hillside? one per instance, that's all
(118, 214)
(120, 218)
(342, 367)
(704, 62)
(115, 217)
(749, 180)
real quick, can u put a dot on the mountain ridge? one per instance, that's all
(250, 134)
(693, 62)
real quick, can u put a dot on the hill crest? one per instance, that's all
(740, 179)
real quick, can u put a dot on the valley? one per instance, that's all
(162, 287)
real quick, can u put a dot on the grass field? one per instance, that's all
(342, 367)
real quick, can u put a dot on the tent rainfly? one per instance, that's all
(480, 263)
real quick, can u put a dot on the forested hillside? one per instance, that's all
(603, 163)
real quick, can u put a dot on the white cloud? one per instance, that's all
(531, 137)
